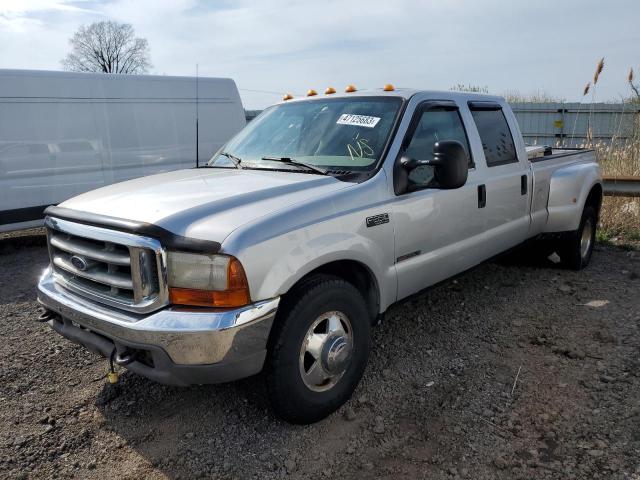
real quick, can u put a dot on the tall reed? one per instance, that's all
(620, 216)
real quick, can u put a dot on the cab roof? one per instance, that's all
(405, 93)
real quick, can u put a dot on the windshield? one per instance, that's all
(335, 134)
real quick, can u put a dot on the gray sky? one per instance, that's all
(290, 46)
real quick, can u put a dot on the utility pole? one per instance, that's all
(197, 129)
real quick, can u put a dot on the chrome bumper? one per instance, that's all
(213, 345)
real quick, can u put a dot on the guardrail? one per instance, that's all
(622, 186)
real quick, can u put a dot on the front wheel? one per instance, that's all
(576, 249)
(318, 350)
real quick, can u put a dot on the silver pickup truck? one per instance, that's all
(282, 253)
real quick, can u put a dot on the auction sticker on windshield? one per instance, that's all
(358, 120)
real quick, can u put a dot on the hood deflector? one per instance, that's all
(168, 239)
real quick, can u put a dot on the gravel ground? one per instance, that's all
(510, 371)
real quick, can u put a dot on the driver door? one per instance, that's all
(438, 231)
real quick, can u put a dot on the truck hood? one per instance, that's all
(205, 203)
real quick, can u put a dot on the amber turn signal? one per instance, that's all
(330, 90)
(235, 295)
(208, 298)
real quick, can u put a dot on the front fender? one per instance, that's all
(277, 265)
(279, 249)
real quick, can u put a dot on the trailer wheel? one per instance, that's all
(576, 249)
(318, 349)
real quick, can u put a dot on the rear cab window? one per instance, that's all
(495, 134)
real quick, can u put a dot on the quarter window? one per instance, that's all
(496, 138)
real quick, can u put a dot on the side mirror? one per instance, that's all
(450, 161)
(452, 164)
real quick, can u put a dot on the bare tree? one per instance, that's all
(107, 47)
(536, 96)
(461, 87)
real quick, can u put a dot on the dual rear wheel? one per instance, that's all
(576, 248)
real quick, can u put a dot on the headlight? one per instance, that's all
(206, 280)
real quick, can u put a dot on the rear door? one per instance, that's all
(507, 181)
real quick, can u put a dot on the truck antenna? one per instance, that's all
(197, 129)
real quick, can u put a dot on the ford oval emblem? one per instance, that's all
(79, 262)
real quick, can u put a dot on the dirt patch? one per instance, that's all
(439, 398)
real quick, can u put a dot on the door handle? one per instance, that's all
(524, 181)
(482, 196)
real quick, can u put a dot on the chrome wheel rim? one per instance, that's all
(326, 351)
(586, 239)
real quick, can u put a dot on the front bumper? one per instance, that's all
(176, 346)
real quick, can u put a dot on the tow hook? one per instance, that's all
(125, 358)
(46, 315)
(112, 376)
(119, 358)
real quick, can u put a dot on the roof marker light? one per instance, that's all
(311, 93)
(350, 88)
(287, 96)
(388, 88)
(330, 90)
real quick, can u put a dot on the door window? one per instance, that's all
(435, 125)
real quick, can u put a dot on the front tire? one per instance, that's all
(318, 349)
(576, 250)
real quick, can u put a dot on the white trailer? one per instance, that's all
(63, 133)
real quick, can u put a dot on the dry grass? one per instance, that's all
(599, 68)
(620, 215)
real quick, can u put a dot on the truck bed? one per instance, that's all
(559, 178)
(541, 153)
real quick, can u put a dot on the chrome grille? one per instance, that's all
(112, 267)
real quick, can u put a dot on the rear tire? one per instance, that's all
(318, 349)
(576, 249)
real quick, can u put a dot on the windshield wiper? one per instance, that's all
(236, 161)
(293, 161)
